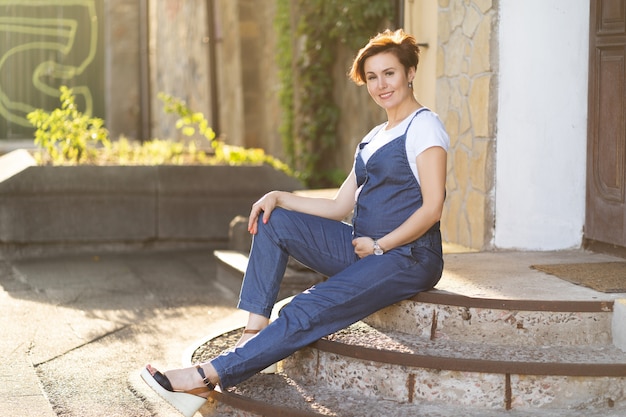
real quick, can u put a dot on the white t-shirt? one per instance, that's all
(425, 132)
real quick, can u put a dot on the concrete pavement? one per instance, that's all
(76, 329)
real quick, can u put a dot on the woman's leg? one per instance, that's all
(361, 289)
(254, 325)
(322, 244)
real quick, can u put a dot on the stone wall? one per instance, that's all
(466, 101)
(244, 104)
(84, 208)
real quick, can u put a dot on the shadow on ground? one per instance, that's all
(84, 325)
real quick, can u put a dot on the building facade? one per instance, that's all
(531, 92)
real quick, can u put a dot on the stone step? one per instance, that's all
(325, 381)
(404, 368)
(439, 314)
(482, 354)
(288, 398)
(231, 265)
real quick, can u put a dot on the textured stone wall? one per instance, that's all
(464, 48)
(466, 102)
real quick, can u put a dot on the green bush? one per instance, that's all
(65, 136)
(307, 51)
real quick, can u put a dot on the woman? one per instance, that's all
(391, 251)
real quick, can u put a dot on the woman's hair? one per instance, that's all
(401, 44)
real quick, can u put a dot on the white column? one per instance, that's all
(542, 124)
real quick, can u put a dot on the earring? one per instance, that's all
(411, 85)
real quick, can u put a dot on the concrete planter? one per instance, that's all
(129, 205)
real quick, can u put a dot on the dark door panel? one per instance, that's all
(606, 151)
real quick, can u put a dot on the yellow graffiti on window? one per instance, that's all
(52, 38)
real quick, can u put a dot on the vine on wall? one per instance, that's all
(309, 33)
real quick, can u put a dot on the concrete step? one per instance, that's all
(288, 398)
(439, 314)
(398, 366)
(231, 265)
(471, 347)
(319, 381)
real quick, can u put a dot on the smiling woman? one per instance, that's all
(390, 87)
(390, 252)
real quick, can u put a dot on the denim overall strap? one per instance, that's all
(390, 193)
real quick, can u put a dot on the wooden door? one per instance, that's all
(605, 221)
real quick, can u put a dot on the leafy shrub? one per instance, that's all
(65, 136)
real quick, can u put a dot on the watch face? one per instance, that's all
(377, 249)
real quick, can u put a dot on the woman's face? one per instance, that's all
(387, 80)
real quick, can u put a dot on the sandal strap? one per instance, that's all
(206, 380)
(251, 331)
(163, 381)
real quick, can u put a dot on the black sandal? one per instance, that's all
(187, 402)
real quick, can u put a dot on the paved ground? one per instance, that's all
(75, 330)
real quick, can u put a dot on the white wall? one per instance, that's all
(541, 124)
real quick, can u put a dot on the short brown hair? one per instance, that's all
(401, 44)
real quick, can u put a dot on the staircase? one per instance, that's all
(521, 343)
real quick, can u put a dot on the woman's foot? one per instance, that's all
(256, 323)
(186, 389)
(187, 380)
(247, 335)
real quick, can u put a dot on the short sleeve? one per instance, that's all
(425, 132)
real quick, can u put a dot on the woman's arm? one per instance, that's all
(431, 167)
(335, 208)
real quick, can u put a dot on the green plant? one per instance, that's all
(153, 152)
(190, 122)
(282, 25)
(321, 27)
(66, 135)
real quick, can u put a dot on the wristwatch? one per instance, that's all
(377, 249)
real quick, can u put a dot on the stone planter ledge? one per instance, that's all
(44, 209)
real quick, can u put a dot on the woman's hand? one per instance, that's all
(363, 246)
(263, 207)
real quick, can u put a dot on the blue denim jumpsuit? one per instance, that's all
(356, 287)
